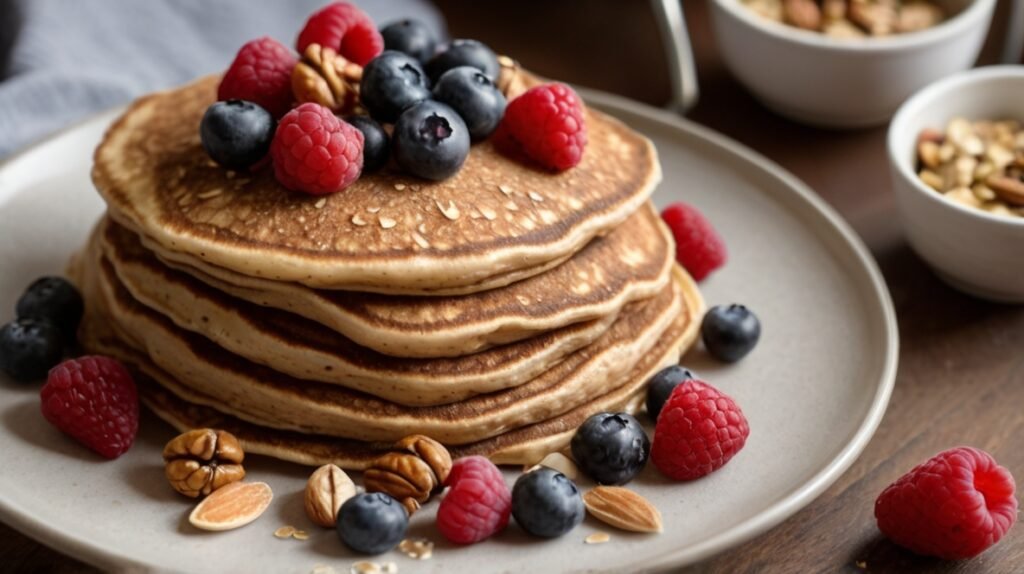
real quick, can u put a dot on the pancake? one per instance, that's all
(631, 263)
(497, 221)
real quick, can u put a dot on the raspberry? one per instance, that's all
(346, 29)
(546, 125)
(94, 400)
(953, 506)
(699, 248)
(478, 502)
(699, 429)
(316, 152)
(262, 74)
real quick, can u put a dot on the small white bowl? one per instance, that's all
(973, 250)
(844, 83)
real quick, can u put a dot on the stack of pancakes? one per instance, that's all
(493, 311)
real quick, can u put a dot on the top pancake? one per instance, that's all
(497, 221)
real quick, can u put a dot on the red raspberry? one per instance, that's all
(315, 152)
(953, 506)
(699, 248)
(94, 400)
(346, 29)
(698, 431)
(261, 73)
(546, 125)
(478, 502)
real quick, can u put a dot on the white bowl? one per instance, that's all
(973, 250)
(838, 82)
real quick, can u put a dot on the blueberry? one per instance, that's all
(611, 448)
(546, 503)
(464, 53)
(237, 133)
(376, 144)
(29, 348)
(431, 141)
(731, 332)
(54, 300)
(372, 523)
(392, 82)
(409, 37)
(474, 96)
(661, 386)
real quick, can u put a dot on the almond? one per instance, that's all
(622, 508)
(326, 490)
(1009, 189)
(232, 506)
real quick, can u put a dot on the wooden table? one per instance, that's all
(961, 376)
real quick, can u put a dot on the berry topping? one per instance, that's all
(730, 332)
(410, 37)
(699, 249)
(464, 53)
(391, 83)
(431, 141)
(546, 503)
(546, 125)
(611, 448)
(93, 399)
(478, 502)
(953, 506)
(474, 96)
(236, 133)
(372, 523)
(376, 143)
(661, 385)
(261, 73)
(29, 348)
(346, 29)
(54, 300)
(316, 152)
(698, 431)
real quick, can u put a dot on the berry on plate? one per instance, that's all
(474, 96)
(699, 248)
(410, 37)
(236, 133)
(698, 431)
(661, 385)
(316, 152)
(953, 506)
(29, 348)
(93, 399)
(372, 523)
(611, 448)
(464, 53)
(546, 503)
(546, 125)
(478, 502)
(346, 29)
(376, 143)
(431, 141)
(730, 332)
(391, 83)
(54, 300)
(261, 73)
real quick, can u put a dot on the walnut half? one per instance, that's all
(417, 467)
(200, 461)
(324, 77)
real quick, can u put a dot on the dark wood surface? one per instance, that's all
(961, 375)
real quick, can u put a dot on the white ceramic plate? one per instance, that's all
(814, 390)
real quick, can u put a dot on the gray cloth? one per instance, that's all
(62, 60)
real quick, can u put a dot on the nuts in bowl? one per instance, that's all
(852, 18)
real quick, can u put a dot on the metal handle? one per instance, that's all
(682, 72)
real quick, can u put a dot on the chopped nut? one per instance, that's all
(931, 179)
(232, 506)
(597, 538)
(915, 16)
(387, 222)
(928, 151)
(411, 473)
(326, 490)
(802, 13)
(300, 535)
(1010, 190)
(418, 548)
(622, 508)
(284, 532)
(201, 461)
(877, 18)
(833, 9)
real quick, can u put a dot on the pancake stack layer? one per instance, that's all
(493, 311)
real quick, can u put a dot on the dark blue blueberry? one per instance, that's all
(661, 386)
(611, 448)
(730, 332)
(464, 53)
(431, 141)
(237, 133)
(546, 503)
(54, 300)
(409, 37)
(392, 82)
(372, 523)
(376, 144)
(474, 96)
(29, 348)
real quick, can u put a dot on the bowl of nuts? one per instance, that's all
(846, 63)
(956, 151)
